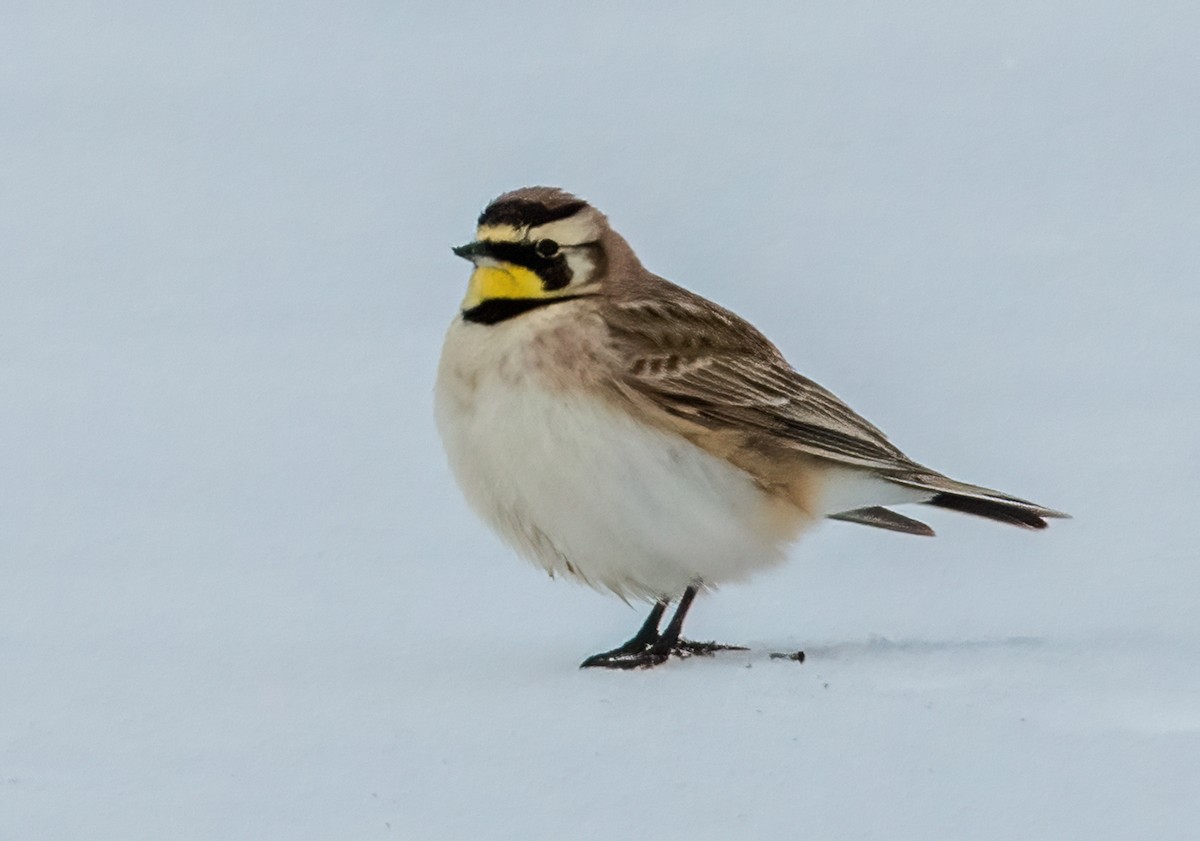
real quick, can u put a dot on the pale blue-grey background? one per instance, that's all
(240, 597)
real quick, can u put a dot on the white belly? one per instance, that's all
(584, 489)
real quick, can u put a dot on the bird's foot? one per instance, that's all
(617, 659)
(639, 655)
(627, 656)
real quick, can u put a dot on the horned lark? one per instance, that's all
(618, 429)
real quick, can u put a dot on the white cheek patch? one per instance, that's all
(580, 264)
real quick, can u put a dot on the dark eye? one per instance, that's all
(546, 247)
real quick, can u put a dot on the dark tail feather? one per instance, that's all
(883, 518)
(1005, 513)
(982, 502)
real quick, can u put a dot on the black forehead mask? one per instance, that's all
(522, 212)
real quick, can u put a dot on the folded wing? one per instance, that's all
(704, 366)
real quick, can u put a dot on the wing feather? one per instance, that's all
(703, 364)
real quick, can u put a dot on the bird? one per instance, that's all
(616, 428)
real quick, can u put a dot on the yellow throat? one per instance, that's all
(503, 281)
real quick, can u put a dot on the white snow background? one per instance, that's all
(240, 596)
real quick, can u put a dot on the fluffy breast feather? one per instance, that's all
(581, 486)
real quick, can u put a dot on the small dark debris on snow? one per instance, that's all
(798, 656)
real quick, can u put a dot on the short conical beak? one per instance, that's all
(471, 250)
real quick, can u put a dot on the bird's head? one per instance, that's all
(536, 245)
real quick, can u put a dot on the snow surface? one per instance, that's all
(240, 596)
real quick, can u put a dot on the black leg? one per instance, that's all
(672, 642)
(650, 648)
(640, 642)
(670, 637)
(648, 633)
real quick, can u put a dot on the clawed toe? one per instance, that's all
(646, 659)
(690, 648)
